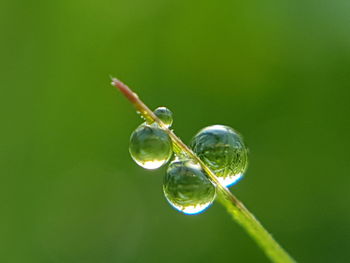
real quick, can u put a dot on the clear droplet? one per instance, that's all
(150, 146)
(223, 151)
(165, 115)
(187, 188)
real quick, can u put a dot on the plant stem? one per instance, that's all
(234, 207)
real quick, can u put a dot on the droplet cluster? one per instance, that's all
(186, 185)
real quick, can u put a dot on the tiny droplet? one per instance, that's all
(165, 115)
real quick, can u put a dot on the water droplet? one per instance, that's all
(150, 146)
(223, 151)
(165, 115)
(187, 188)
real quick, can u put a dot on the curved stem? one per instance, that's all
(234, 207)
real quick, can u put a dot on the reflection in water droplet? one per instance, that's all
(150, 147)
(230, 179)
(187, 188)
(192, 209)
(223, 151)
(154, 164)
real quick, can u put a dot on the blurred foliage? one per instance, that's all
(276, 71)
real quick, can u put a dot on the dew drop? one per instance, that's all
(223, 151)
(150, 146)
(165, 115)
(187, 188)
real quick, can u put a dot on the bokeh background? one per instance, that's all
(276, 71)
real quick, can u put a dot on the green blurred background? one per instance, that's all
(277, 71)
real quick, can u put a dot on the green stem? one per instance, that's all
(234, 207)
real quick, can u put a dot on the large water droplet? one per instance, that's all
(223, 151)
(150, 146)
(165, 115)
(187, 188)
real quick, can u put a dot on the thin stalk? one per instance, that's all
(233, 206)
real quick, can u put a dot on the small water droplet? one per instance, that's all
(187, 188)
(165, 115)
(223, 151)
(150, 147)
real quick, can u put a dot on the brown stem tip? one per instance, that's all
(131, 96)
